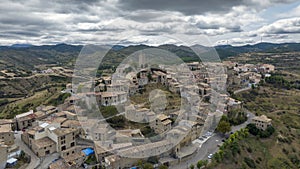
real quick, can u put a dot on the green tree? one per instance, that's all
(192, 166)
(224, 127)
(205, 162)
(199, 164)
(162, 167)
(148, 166)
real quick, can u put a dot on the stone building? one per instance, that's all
(6, 134)
(262, 122)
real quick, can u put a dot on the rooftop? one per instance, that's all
(59, 164)
(39, 114)
(162, 117)
(59, 120)
(43, 142)
(166, 122)
(48, 108)
(111, 94)
(32, 131)
(262, 118)
(73, 157)
(159, 73)
(24, 114)
(63, 131)
(5, 128)
(98, 148)
(71, 123)
(6, 121)
(144, 147)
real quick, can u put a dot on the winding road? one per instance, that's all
(210, 146)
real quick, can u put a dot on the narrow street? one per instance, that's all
(35, 161)
(46, 161)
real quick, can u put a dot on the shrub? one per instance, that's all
(249, 149)
(257, 132)
(249, 162)
(285, 151)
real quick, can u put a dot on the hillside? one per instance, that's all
(27, 57)
(282, 149)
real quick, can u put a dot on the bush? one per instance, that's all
(249, 149)
(108, 111)
(147, 131)
(237, 117)
(285, 151)
(249, 162)
(253, 129)
(257, 132)
(162, 167)
(117, 121)
(224, 125)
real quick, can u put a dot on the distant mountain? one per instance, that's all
(21, 45)
(228, 50)
(118, 47)
(59, 47)
(26, 56)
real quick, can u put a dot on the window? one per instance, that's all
(72, 144)
(63, 148)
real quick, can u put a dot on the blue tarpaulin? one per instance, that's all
(88, 151)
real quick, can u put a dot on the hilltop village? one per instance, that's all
(174, 120)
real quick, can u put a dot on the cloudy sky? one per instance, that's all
(152, 22)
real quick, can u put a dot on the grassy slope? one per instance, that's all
(283, 107)
(22, 105)
(282, 149)
(174, 100)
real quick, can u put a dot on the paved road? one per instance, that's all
(241, 90)
(210, 146)
(35, 161)
(250, 117)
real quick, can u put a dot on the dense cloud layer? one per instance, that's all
(187, 7)
(152, 22)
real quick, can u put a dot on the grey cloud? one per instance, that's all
(231, 28)
(85, 21)
(188, 7)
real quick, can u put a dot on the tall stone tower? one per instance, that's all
(142, 60)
